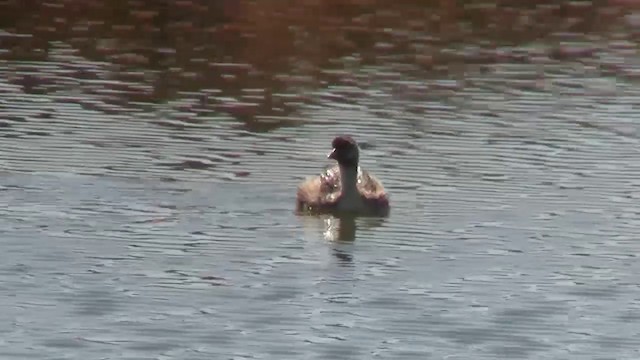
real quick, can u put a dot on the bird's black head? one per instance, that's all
(345, 151)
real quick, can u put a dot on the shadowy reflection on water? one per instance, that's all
(339, 228)
(150, 152)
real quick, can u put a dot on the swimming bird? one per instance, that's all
(343, 188)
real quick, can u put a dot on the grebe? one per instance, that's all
(344, 188)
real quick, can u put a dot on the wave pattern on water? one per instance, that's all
(166, 230)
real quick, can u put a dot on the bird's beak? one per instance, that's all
(332, 154)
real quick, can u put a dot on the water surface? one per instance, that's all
(149, 205)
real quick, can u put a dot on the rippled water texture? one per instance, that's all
(149, 158)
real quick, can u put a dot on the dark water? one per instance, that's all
(149, 158)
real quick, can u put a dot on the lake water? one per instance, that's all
(148, 214)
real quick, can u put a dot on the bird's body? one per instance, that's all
(344, 188)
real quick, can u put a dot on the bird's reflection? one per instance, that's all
(341, 230)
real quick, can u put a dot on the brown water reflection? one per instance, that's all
(260, 60)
